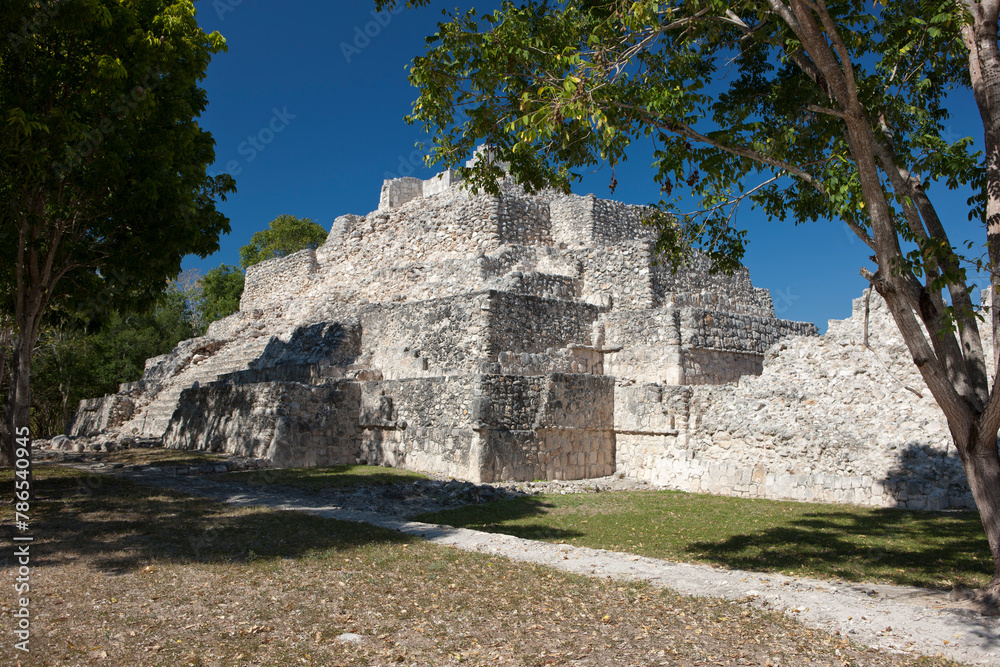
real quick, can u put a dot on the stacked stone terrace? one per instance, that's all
(510, 337)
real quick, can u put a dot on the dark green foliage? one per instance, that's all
(103, 166)
(71, 364)
(285, 234)
(221, 289)
(101, 155)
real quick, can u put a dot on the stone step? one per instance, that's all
(154, 418)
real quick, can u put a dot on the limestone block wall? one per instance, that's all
(441, 182)
(690, 346)
(160, 369)
(572, 220)
(422, 424)
(718, 366)
(507, 402)
(558, 426)
(615, 222)
(424, 338)
(524, 221)
(524, 323)
(421, 233)
(733, 331)
(649, 419)
(292, 424)
(589, 221)
(507, 259)
(577, 401)
(343, 226)
(572, 359)
(576, 427)
(721, 347)
(280, 278)
(618, 275)
(649, 343)
(398, 191)
(321, 344)
(97, 415)
(651, 409)
(540, 284)
(492, 427)
(694, 285)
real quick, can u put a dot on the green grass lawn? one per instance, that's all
(317, 479)
(930, 549)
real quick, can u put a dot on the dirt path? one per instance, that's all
(894, 618)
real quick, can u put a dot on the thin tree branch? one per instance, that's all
(864, 342)
(838, 44)
(829, 112)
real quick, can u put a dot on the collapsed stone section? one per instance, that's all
(827, 420)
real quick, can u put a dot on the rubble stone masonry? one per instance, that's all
(521, 337)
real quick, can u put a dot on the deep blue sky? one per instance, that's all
(295, 66)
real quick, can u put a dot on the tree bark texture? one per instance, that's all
(954, 372)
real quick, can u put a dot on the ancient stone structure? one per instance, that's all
(521, 337)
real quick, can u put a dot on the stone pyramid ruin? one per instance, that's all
(533, 336)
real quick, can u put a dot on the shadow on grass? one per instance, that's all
(317, 479)
(159, 457)
(120, 526)
(906, 547)
(489, 516)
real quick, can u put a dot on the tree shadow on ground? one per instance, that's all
(905, 547)
(120, 527)
(489, 516)
(317, 479)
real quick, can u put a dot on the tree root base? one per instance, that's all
(985, 600)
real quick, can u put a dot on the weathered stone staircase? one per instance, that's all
(151, 420)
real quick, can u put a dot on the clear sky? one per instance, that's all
(307, 112)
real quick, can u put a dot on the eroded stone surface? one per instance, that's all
(522, 337)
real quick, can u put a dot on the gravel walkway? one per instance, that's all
(894, 618)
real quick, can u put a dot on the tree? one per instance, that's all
(72, 362)
(60, 365)
(284, 235)
(829, 111)
(103, 183)
(221, 289)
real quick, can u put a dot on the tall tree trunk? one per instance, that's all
(18, 411)
(981, 461)
(30, 302)
(6, 429)
(980, 38)
(980, 456)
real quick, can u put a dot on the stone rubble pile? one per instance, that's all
(828, 419)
